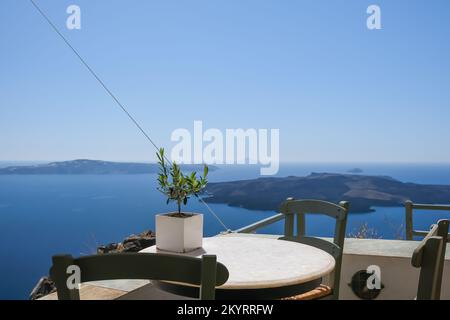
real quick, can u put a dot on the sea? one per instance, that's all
(43, 215)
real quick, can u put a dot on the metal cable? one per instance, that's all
(94, 74)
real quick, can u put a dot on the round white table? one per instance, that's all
(260, 268)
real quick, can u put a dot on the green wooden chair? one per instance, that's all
(205, 272)
(429, 256)
(297, 209)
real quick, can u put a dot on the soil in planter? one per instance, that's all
(180, 215)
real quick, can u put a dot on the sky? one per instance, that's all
(337, 91)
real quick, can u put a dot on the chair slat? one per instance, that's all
(313, 206)
(208, 277)
(205, 272)
(416, 259)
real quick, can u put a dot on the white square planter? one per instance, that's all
(176, 234)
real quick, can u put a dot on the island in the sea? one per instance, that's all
(355, 170)
(84, 166)
(363, 191)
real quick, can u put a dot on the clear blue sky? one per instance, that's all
(336, 91)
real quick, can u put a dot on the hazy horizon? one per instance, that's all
(241, 165)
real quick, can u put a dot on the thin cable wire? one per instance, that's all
(214, 214)
(94, 74)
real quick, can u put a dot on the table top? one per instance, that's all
(257, 263)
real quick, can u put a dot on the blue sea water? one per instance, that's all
(41, 215)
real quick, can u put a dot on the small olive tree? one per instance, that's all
(177, 186)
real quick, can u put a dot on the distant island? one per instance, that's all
(364, 192)
(355, 170)
(84, 166)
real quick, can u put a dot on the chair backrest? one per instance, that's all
(205, 272)
(429, 256)
(298, 209)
